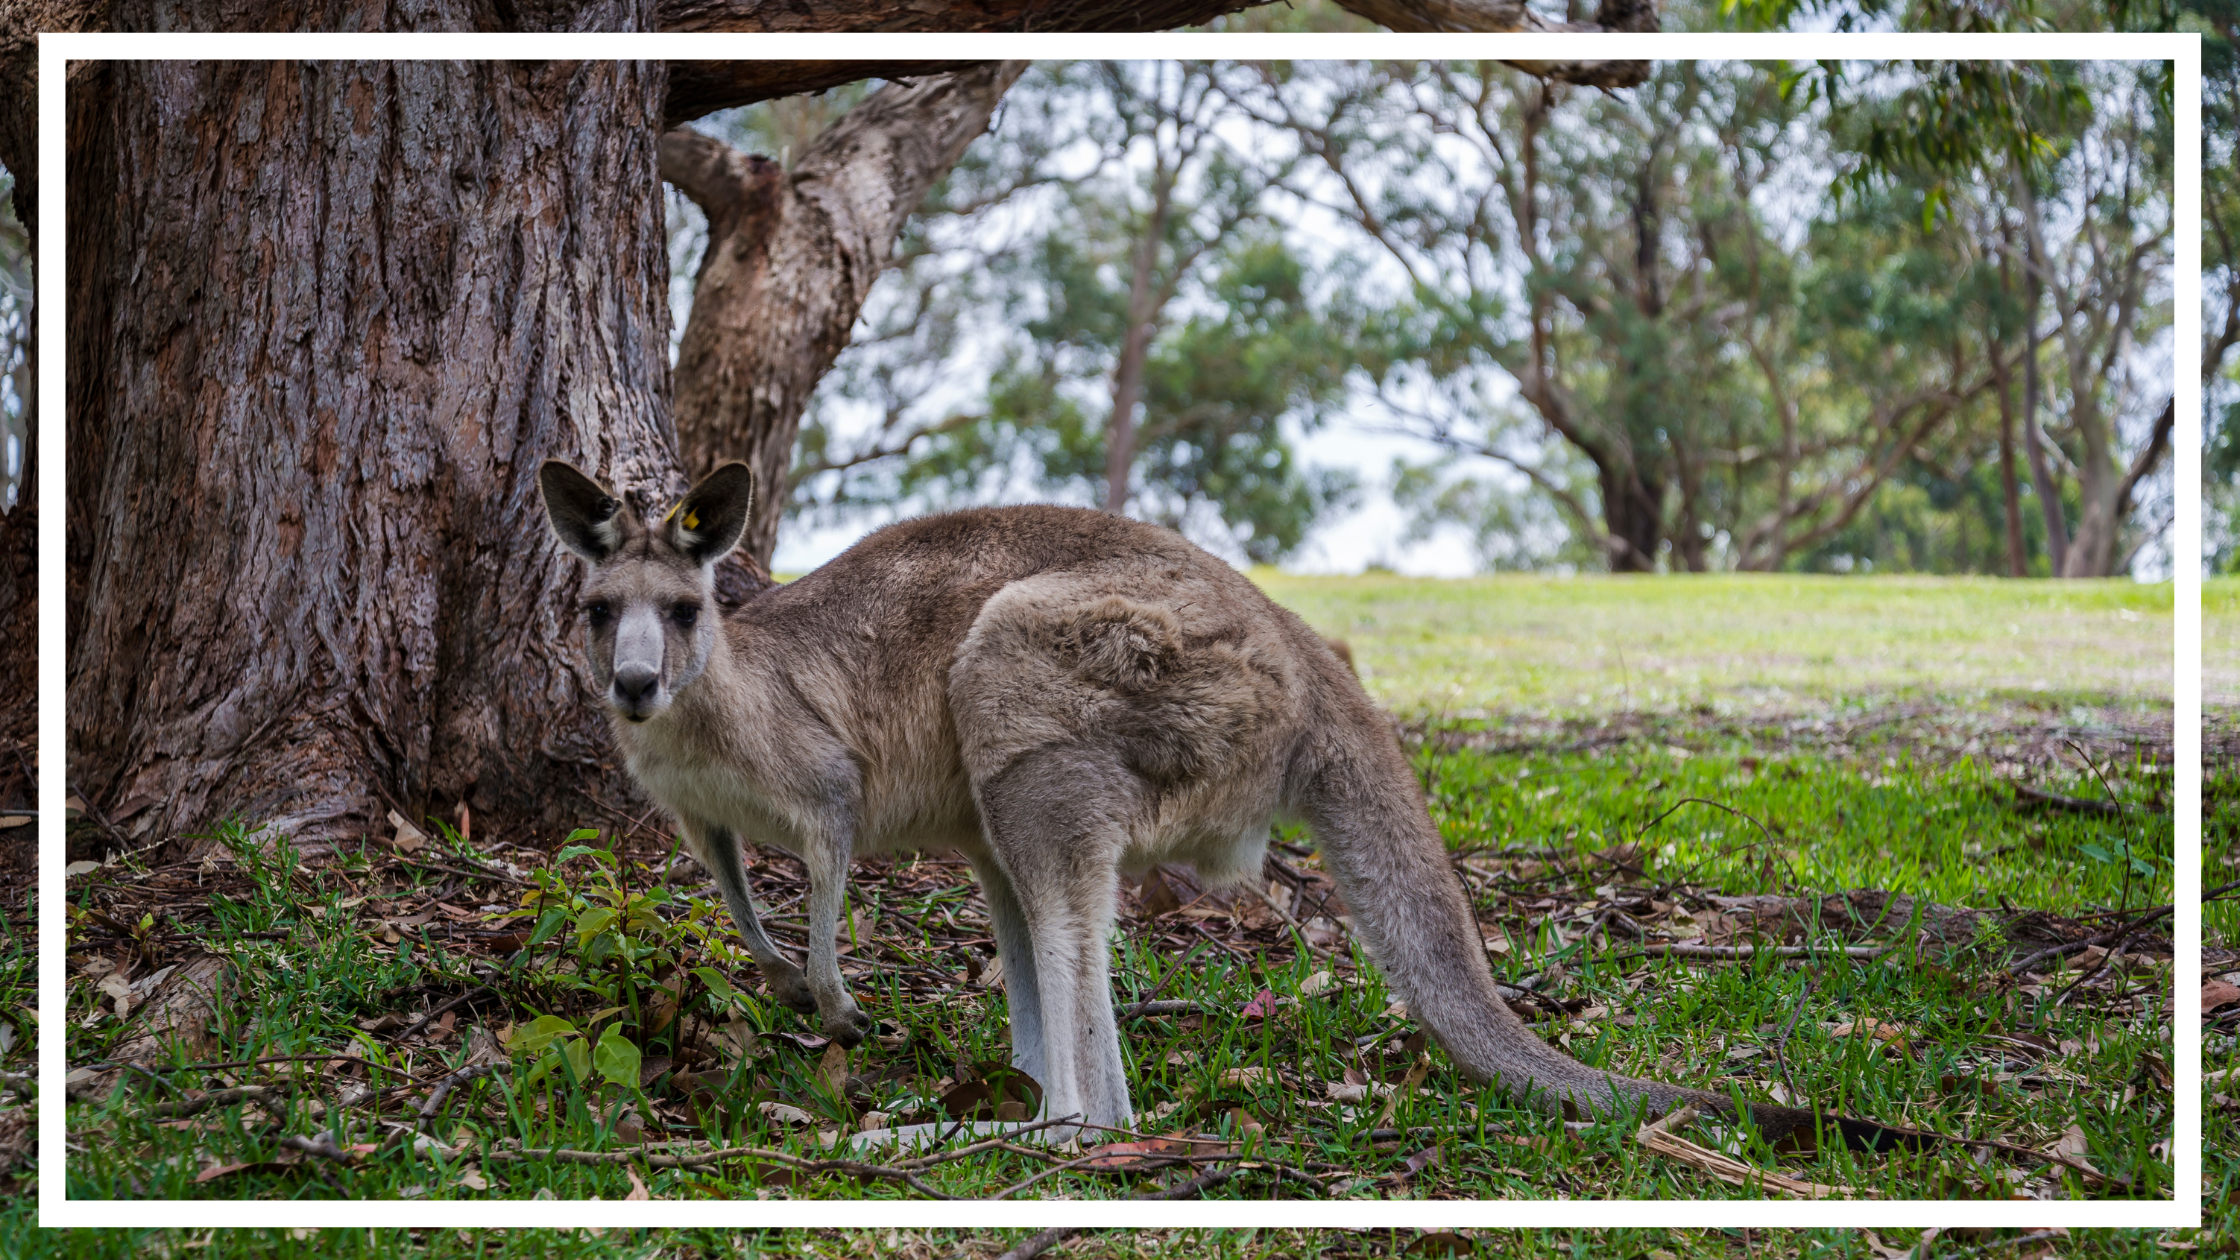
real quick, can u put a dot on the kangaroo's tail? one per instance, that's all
(1357, 792)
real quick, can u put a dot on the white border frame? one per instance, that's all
(2183, 1211)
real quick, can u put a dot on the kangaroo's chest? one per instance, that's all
(905, 801)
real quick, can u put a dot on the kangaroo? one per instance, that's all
(1059, 695)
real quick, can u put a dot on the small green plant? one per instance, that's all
(627, 978)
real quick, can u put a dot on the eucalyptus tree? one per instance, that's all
(1140, 333)
(1651, 282)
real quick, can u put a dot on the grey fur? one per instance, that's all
(1059, 695)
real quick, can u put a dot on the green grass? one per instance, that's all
(1881, 821)
(950, 1244)
(1740, 642)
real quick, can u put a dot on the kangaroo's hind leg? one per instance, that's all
(717, 849)
(1022, 987)
(1057, 821)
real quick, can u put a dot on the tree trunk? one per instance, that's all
(1634, 511)
(2018, 555)
(327, 319)
(791, 258)
(1135, 349)
(2041, 473)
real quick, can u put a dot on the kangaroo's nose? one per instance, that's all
(634, 685)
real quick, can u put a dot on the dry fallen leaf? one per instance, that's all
(2072, 1146)
(785, 1113)
(409, 838)
(832, 1069)
(116, 986)
(1891, 1035)
(637, 1188)
(2217, 993)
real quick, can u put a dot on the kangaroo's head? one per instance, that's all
(648, 607)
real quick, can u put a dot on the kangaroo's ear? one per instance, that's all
(707, 523)
(588, 520)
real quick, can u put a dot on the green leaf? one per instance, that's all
(577, 850)
(577, 1050)
(583, 833)
(539, 1034)
(718, 983)
(548, 923)
(541, 1070)
(617, 1057)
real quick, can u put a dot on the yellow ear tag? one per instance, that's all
(672, 513)
(692, 520)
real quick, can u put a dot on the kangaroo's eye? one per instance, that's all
(599, 612)
(685, 614)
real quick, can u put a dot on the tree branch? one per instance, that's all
(698, 88)
(2157, 445)
(791, 257)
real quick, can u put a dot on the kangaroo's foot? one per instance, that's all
(789, 986)
(847, 1025)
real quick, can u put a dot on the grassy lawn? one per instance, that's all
(1747, 643)
(1777, 738)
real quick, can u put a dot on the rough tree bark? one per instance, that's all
(314, 569)
(19, 660)
(791, 256)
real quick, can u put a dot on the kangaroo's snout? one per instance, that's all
(635, 686)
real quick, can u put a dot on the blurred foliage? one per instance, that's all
(1739, 317)
(1111, 189)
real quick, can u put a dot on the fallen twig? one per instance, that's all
(445, 1009)
(2024, 794)
(444, 1087)
(566, 1155)
(1173, 1006)
(1781, 1041)
(1035, 1244)
(2035, 1236)
(321, 1144)
(1144, 1007)
(1745, 952)
(1657, 1136)
(469, 873)
(2121, 930)
(183, 1107)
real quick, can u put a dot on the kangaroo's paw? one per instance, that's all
(848, 1025)
(790, 987)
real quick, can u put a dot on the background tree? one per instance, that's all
(1146, 337)
(1648, 283)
